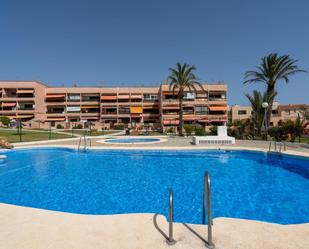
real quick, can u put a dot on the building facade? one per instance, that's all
(40, 106)
(279, 112)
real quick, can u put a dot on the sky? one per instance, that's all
(134, 42)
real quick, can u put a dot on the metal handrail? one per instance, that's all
(207, 202)
(170, 240)
(85, 142)
(281, 144)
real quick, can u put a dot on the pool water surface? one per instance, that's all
(245, 184)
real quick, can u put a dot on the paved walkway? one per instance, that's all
(174, 143)
(28, 228)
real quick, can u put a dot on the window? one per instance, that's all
(189, 96)
(242, 112)
(73, 97)
(201, 110)
(150, 96)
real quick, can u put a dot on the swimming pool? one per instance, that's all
(245, 184)
(131, 140)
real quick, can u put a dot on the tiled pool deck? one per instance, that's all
(28, 228)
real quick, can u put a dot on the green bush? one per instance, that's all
(213, 130)
(119, 127)
(189, 128)
(277, 132)
(59, 126)
(200, 131)
(79, 126)
(5, 120)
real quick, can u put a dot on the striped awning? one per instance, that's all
(55, 119)
(52, 96)
(23, 116)
(218, 108)
(108, 97)
(123, 96)
(150, 107)
(136, 96)
(8, 104)
(171, 107)
(25, 91)
(90, 106)
(169, 93)
(170, 122)
(90, 118)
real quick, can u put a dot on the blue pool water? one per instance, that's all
(132, 140)
(245, 184)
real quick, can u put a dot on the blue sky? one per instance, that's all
(135, 42)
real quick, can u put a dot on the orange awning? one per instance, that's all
(123, 96)
(170, 122)
(136, 109)
(51, 96)
(23, 116)
(55, 119)
(171, 107)
(109, 97)
(4, 104)
(90, 118)
(169, 93)
(218, 108)
(151, 107)
(25, 91)
(136, 96)
(90, 106)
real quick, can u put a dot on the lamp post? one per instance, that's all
(49, 132)
(265, 106)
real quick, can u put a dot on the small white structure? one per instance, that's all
(221, 139)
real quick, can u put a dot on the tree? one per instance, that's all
(256, 101)
(5, 120)
(182, 79)
(273, 68)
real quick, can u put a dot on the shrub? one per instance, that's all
(5, 120)
(189, 128)
(277, 132)
(200, 131)
(59, 126)
(79, 126)
(213, 130)
(119, 127)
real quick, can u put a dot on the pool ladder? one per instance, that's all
(280, 145)
(85, 141)
(206, 206)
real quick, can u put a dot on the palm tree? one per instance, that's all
(181, 79)
(256, 101)
(273, 69)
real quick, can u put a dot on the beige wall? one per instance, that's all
(282, 112)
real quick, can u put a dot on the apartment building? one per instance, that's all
(40, 106)
(279, 112)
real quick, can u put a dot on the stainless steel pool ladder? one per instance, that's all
(170, 240)
(280, 145)
(85, 140)
(207, 204)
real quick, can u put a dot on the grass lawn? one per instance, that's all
(27, 136)
(303, 140)
(87, 132)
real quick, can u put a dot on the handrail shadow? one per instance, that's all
(195, 233)
(157, 227)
